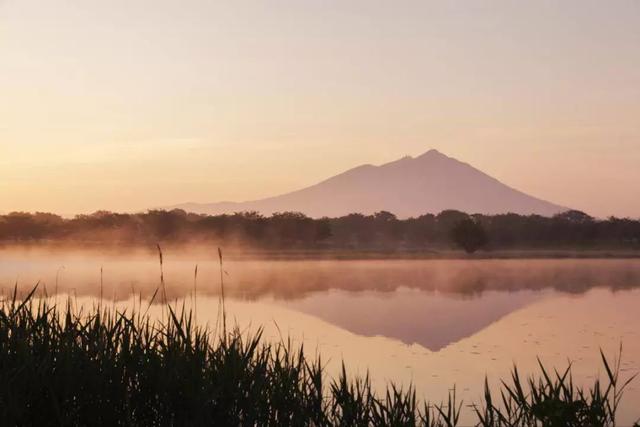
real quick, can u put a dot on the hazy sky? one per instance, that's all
(125, 105)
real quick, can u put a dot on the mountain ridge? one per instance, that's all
(409, 186)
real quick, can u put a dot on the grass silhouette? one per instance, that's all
(62, 366)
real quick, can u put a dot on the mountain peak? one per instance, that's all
(429, 183)
(407, 159)
(432, 153)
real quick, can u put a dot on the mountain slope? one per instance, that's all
(407, 187)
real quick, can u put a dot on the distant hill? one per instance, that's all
(407, 187)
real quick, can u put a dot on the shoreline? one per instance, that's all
(244, 253)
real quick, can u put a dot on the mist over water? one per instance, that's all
(138, 272)
(430, 323)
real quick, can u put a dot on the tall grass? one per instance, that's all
(552, 400)
(62, 366)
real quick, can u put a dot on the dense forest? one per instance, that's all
(292, 230)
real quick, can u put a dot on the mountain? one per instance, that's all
(408, 187)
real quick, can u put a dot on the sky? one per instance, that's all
(129, 105)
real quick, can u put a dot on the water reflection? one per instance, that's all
(433, 323)
(431, 319)
(556, 327)
(283, 279)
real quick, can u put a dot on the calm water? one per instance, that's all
(432, 324)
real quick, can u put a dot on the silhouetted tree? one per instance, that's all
(469, 235)
(165, 225)
(291, 228)
(323, 229)
(574, 216)
(383, 230)
(353, 231)
(420, 231)
(446, 220)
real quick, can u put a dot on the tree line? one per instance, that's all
(294, 230)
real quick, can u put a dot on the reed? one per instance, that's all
(162, 284)
(195, 294)
(60, 366)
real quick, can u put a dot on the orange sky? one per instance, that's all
(127, 105)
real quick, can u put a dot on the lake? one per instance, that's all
(430, 323)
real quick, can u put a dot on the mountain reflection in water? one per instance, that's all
(430, 323)
(412, 316)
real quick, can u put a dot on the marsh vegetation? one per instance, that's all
(65, 366)
(104, 363)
